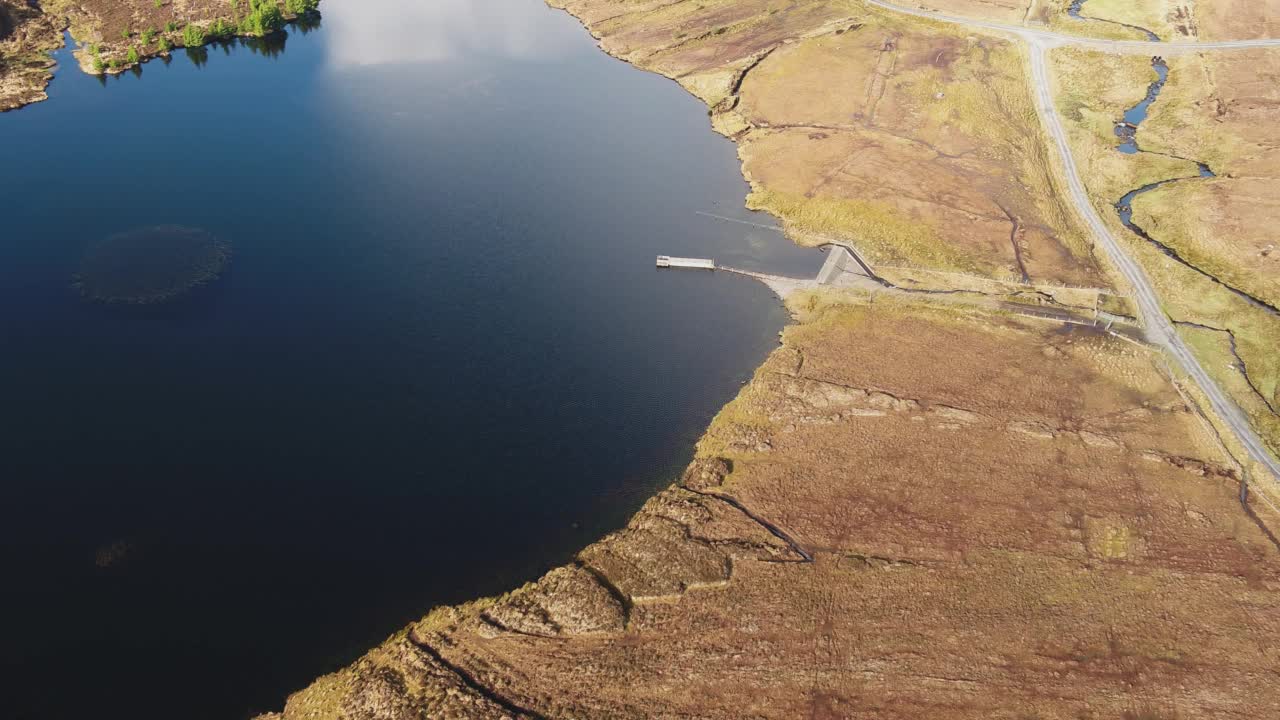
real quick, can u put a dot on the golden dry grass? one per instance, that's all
(932, 157)
(1237, 19)
(1169, 19)
(1011, 12)
(1222, 109)
(1094, 91)
(1213, 108)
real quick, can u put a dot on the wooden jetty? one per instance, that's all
(666, 261)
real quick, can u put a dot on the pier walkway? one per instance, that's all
(845, 268)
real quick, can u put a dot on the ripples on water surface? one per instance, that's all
(440, 361)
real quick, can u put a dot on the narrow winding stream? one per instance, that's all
(1074, 11)
(1127, 131)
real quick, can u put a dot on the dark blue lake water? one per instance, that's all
(441, 360)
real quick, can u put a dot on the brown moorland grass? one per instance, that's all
(1032, 13)
(1177, 20)
(1048, 13)
(1005, 519)
(1011, 12)
(1237, 19)
(1094, 91)
(930, 156)
(1169, 19)
(1222, 109)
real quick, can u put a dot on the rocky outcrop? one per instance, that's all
(27, 36)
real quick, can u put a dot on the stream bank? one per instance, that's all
(1126, 130)
(1075, 10)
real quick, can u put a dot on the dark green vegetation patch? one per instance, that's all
(151, 265)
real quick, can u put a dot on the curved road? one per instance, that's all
(1159, 329)
(1048, 38)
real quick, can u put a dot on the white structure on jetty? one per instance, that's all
(666, 261)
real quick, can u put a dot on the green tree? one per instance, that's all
(132, 57)
(299, 7)
(264, 18)
(221, 29)
(192, 36)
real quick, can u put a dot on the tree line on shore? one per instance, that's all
(260, 18)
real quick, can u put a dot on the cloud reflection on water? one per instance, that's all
(380, 32)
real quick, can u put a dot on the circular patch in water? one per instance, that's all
(151, 265)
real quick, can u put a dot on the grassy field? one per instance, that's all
(1222, 109)
(1237, 19)
(932, 158)
(1095, 89)
(1035, 13)
(1189, 120)
(924, 102)
(1166, 18)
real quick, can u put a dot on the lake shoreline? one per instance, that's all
(639, 375)
(893, 457)
(30, 35)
